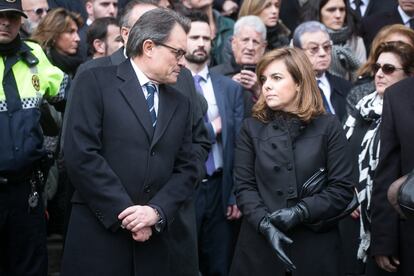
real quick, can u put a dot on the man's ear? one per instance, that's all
(125, 34)
(99, 46)
(148, 48)
(89, 8)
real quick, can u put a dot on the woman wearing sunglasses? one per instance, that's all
(365, 85)
(394, 62)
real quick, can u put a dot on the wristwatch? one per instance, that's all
(159, 224)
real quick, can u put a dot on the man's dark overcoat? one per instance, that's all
(116, 159)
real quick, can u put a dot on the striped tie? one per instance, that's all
(151, 89)
(324, 99)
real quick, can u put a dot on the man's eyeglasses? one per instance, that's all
(386, 68)
(314, 49)
(179, 53)
(38, 11)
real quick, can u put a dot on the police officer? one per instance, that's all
(26, 78)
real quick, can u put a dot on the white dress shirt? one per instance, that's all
(405, 17)
(326, 89)
(212, 113)
(362, 8)
(143, 80)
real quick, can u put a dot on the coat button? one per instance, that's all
(152, 153)
(147, 189)
(291, 191)
(279, 192)
(289, 167)
(276, 168)
(274, 146)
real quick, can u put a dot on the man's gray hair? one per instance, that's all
(155, 25)
(127, 11)
(307, 27)
(251, 21)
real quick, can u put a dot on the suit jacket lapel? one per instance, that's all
(167, 105)
(132, 92)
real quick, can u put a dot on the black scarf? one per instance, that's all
(67, 63)
(277, 36)
(340, 36)
(11, 48)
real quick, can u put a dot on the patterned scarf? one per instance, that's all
(344, 63)
(370, 109)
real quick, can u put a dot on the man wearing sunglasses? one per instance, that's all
(313, 38)
(35, 11)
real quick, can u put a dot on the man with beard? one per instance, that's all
(221, 27)
(215, 203)
(35, 11)
(313, 38)
(103, 37)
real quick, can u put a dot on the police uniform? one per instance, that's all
(27, 77)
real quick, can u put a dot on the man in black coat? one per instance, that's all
(392, 238)
(128, 150)
(313, 37)
(371, 25)
(184, 241)
(370, 7)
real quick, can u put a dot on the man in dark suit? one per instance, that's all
(400, 14)
(313, 38)
(129, 154)
(215, 201)
(365, 8)
(392, 238)
(183, 243)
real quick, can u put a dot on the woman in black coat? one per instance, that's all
(287, 140)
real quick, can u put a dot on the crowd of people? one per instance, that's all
(207, 137)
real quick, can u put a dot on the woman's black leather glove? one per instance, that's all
(276, 239)
(287, 218)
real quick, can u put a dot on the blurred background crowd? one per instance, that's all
(357, 48)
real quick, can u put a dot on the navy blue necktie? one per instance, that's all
(411, 22)
(325, 101)
(151, 89)
(358, 4)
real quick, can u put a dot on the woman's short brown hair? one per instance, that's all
(55, 23)
(382, 36)
(308, 100)
(403, 51)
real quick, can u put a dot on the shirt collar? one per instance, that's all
(323, 79)
(142, 78)
(204, 73)
(405, 18)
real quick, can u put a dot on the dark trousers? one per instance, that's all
(23, 249)
(214, 230)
